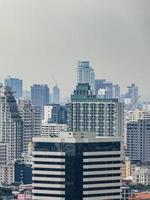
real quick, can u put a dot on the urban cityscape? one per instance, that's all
(74, 100)
(95, 146)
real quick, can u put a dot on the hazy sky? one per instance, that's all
(41, 39)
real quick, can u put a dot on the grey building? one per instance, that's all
(117, 93)
(138, 140)
(133, 92)
(11, 124)
(16, 86)
(88, 113)
(56, 95)
(40, 95)
(32, 120)
(86, 74)
(76, 166)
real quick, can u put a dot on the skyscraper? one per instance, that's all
(55, 113)
(138, 140)
(133, 92)
(32, 120)
(11, 124)
(76, 166)
(104, 89)
(117, 94)
(40, 95)
(56, 95)
(85, 74)
(91, 114)
(16, 86)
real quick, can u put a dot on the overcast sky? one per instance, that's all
(41, 39)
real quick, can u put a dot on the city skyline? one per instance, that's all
(49, 40)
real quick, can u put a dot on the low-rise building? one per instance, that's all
(142, 175)
(140, 196)
(127, 168)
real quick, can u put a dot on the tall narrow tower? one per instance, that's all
(85, 74)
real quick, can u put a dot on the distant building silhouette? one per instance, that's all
(16, 86)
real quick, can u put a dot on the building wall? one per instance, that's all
(76, 169)
(138, 140)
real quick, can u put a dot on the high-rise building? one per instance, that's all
(138, 140)
(56, 95)
(117, 94)
(32, 120)
(16, 86)
(85, 74)
(104, 89)
(91, 114)
(55, 113)
(11, 124)
(76, 166)
(40, 95)
(132, 93)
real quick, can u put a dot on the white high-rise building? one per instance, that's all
(32, 120)
(11, 124)
(47, 113)
(90, 114)
(86, 74)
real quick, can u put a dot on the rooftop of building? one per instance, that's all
(77, 137)
(141, 196)
(83, 92)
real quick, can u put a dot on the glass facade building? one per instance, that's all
(16, 86)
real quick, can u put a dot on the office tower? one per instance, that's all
(91, 114)
(117, 94)
(133, 93)
(11, 124)
(32, 120)
(40, 96)
(104, 89)
(16, 86)
(76, 166)
(56, 95)
(55, 113)
(138, 142)
(85, 74)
